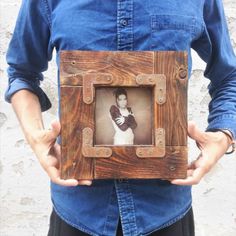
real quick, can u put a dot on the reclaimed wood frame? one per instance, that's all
(81, 72)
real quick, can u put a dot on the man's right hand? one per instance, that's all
(48, 153)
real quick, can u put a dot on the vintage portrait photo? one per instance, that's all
(123, 116)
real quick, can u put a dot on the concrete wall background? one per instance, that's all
(24, 188)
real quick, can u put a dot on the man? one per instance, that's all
(144, 206)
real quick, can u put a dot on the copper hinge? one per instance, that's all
(91, 79)
(156, 151)
(87, 146)
(157, 80)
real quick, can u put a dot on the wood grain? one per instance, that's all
(74, 117)
(123, 67)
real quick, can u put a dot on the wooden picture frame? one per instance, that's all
(159, 77)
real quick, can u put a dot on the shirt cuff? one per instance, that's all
(225, 122)
(19, 84)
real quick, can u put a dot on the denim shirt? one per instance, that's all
(143, 205)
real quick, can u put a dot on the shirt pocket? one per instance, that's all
(174, 32)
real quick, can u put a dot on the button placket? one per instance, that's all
(125, 25)
(126, 208)
(123, 22)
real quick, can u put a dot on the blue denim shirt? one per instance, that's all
(42, 25)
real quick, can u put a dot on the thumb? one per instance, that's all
(195, 133)
(55, 129)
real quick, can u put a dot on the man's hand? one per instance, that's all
(49, 154)
(43, 142)
(212, 145)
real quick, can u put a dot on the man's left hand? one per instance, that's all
(212, 145)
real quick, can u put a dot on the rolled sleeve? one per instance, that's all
(215, 48)
(29, 51)
(20, 83)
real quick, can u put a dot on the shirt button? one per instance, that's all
(124, 22)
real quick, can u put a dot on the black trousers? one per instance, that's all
(183, 227)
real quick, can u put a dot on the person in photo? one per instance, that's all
(123, 119)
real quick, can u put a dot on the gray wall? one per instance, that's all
(24, 196)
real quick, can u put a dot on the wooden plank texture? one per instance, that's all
(74, 117)
(123, 67)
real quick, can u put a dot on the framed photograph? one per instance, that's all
(123, 114)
